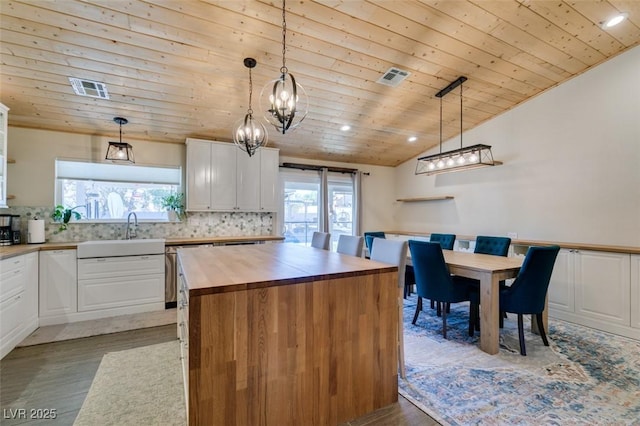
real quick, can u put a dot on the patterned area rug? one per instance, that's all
(584, 377)
(141, 386)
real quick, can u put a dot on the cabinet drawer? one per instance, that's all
(104, 293)
(12, 277)
(126, 266)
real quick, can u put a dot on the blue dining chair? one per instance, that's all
(496, 246)
(433, 280)
(446, 241)
(527, 294)
(369, 236)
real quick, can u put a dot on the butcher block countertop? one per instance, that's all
(234, 268)
(20, 249)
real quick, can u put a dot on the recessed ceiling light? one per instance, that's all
(615, 20)
(345, 128)
(412, 139)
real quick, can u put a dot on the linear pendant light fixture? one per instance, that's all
(284, 101)
(249, 134)
(120, 152)
(471, 157)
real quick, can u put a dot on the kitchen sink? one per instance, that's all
(111, 248)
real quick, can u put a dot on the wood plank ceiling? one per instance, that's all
(174, 68)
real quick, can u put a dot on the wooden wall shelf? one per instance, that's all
(11, 197)
(11, 161)
(413, 200)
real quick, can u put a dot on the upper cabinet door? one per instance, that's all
(198, 175)
(223, 176)
(269, 182)
(248, 183)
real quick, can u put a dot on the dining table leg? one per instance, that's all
(489, 313)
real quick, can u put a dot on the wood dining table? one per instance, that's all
(489, 270)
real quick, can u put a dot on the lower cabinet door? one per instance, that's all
(603, 286)
(116, 292)
(10, 322)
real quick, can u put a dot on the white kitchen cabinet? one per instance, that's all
(58, 286)
(119, 282)
(31, 295)
(221, 177)
(562, 285)
(604, 286)
(635, 291)
(269, 180)
(18, 306)
(3, 155)
(593, 288)
(248, 180)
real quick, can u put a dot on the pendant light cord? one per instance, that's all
(440, 125)
(460, 115)
(250, 110)
(284, 69)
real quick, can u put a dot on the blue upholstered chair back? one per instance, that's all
(497, 246)
(445, 240)
(433, 280)
(527, 293)
(369, 236)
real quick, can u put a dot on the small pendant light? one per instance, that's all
(249, 134)
(120, 152)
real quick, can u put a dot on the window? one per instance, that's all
(103, 191)
(301, 206)
(303, 210)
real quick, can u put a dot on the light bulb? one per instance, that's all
(473, 158)
(431, 166)
(120, 154)
(440, 164)
(450, 162)
(461, 159)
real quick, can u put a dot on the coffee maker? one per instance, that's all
(5, 230)
(16, 237)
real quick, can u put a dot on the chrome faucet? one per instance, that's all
(131, 231)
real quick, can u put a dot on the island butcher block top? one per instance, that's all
(233, 268)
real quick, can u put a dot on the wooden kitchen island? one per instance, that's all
(280, 334)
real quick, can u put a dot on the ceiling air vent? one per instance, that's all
(89, 88)
(393, 77)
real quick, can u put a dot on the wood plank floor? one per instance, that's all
(58, 376)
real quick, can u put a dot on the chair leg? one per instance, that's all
(433, 305)
(418, 309)
(448, 307)
(501, 321)
(439, 309)
(523, 351)
(541, 329)
(444, 323)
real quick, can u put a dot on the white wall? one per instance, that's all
(31, 178)
(571, 167)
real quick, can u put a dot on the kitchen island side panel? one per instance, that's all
(316, 353)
